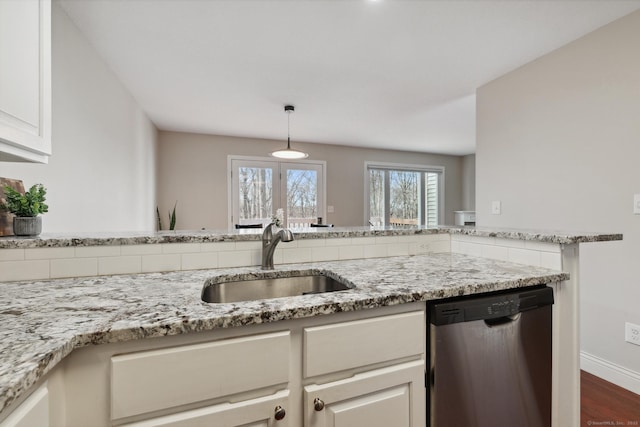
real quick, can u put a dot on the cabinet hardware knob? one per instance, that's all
(279, 413)
(318, 404)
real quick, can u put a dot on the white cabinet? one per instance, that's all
(33, 412)
(149, 381)
(387, 396)
(25, 80)
(366, 366)
(392, 396)
(465, 217)
(259, 412)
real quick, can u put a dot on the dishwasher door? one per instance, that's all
(490, 360)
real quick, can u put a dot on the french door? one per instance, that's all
(261, 186)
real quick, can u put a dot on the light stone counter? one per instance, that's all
(208, 236)
(42, 322)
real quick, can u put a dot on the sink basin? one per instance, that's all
(264, 288)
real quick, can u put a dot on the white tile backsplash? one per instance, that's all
(43, 263)
(11, 254)
(524, 256)
(199, 261)
(235, 259)
(180, 248)
(351, 252)
(73, 267)
(49, 253)
(295, 255)
(162, 262)
(24, 270)
(130, 264)
(140, 249)
(375, 251)
(96, 251)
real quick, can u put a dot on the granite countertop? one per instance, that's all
(42, 322)
(203, 236)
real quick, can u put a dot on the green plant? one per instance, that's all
(172, 218)
(158, 218)
(29, 204)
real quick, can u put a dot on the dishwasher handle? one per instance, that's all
(501, 321)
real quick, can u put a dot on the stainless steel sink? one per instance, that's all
(264, 288)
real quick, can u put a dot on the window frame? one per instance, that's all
(279, 185)
(404, 167)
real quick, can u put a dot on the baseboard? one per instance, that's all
(611, 372)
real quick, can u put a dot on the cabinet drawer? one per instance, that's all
(159, 379)
(255, 412)
(349, 345)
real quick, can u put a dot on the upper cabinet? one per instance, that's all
(25, 80)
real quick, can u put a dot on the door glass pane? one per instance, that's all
(302, 197)
(256, 195)
(376, 197)
(404, 198)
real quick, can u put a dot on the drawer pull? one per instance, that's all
(318, 404)
(279, 413)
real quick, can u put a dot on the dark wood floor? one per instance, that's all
(606, 404)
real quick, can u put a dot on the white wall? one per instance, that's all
(101, 176)
(192, 169)
(558, 142)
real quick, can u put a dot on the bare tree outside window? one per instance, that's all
(255, 185)
(397, 197)
(376, 197)
(302, 196)
(404, 198)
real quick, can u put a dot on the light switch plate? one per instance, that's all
(496, 207)
(636, 204)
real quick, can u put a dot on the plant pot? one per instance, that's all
(27, 225)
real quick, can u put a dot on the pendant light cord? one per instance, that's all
(288, 130)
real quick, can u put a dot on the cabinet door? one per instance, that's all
(258, 412)
(393, 396)
(33, 412)
(25, 80)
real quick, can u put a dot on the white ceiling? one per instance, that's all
(398, 74)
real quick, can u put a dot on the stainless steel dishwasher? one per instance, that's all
(490, 360)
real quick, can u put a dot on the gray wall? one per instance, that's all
(101, 176)
(469, 182)
(558, 142)
(192, 169)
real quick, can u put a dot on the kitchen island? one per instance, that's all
(44, 321)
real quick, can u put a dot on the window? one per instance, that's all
(258, 187)
(404, 195)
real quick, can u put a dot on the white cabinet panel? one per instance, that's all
(159, 379)
(348, 345)
(393, 396)
(33, 412)
(25, 80)
(382, 409)
(251, 413)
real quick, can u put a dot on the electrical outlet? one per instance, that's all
(632, 333)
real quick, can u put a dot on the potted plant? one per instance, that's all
(26, 208)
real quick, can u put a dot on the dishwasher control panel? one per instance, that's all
(490, 306)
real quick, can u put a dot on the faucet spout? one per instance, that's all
(270, 240)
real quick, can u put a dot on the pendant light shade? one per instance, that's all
(289, 153)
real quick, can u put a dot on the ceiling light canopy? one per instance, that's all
(289, 153)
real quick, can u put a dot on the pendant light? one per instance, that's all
(289, 153)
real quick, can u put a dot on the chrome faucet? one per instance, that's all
(269, 242)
